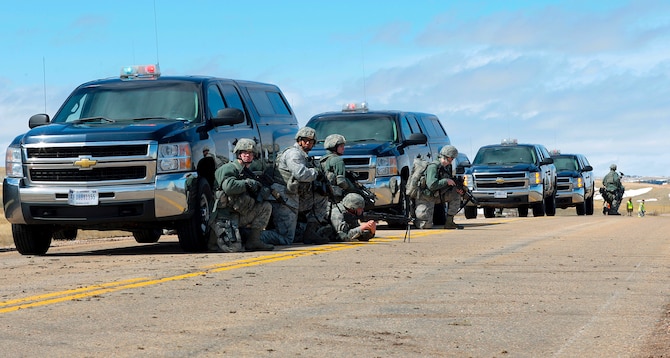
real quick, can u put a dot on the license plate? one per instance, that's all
(82, 197)
(500, 195)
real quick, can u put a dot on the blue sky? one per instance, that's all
(579, 76)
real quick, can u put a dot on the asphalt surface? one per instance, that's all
(563, 286)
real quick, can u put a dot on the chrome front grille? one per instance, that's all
(78, 164)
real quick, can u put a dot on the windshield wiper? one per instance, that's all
(148, 118)
(93, 119)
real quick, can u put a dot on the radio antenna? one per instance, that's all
(44, 83)
(156, 32)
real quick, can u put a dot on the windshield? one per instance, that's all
(564, 164)
(505, 155)
(357, 128)
(127, 101)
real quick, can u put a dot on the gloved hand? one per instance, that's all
(252, 184)
(369, 226)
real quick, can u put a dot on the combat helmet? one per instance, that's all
(449, 151)
(613, 167)
(245, 145)
(353, 201)
(306, 132)
(333, 140)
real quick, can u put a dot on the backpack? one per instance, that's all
(417, 180)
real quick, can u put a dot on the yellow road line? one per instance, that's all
(99, 289)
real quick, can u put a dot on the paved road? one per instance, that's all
(562, 286)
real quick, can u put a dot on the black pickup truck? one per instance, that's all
(136, 153)
(512, 175)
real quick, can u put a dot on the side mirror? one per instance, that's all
(38, 120)
(414, 139)
(587, 168)
(228, 117)
(546, 161)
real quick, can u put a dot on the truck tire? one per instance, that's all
(65, 234)
(538, 209)
(193, 232)
(589, 206)
(470, 212)
(489, 212)
(523, 211)
(581, 208)
(147, 236)
(32, 240)
(550, 204)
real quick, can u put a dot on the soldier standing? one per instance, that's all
(239, 203)
(612, 190)
(440, 188)
(294, 176)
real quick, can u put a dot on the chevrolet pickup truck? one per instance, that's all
(136, 153)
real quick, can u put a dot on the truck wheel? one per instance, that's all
(581, 208)
(193, 232)
(538, 209)
(65, 234)
(523, 211)
(550, 204)
(32, 240)
(489, 212)
(589, 206)
(147, 236)
(470, 212)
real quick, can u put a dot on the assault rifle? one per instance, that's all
(265, 181)
(376, 216)
(361, 189)
(467, 195)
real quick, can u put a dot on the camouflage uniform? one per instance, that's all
(613, 190)
(333, 166)
(294, 174)
(239, 203)
(437, 191)
(344, 220)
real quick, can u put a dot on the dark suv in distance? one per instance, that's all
(512, 175)
(381, 147)
(575, 181)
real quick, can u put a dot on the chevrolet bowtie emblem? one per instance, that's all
(85, 163)
(500, 180)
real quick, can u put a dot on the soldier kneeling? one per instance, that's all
(241, 212)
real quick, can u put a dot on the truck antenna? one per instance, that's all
(44, 83)
(156, 32)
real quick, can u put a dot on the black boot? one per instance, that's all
(254, 243)
(450, 224)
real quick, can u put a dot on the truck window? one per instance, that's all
(268, 103)
(232, 97)
(504, 155)
(434, 127)
(565, 164)
(358, 128)
(214, 101)
(128, 102)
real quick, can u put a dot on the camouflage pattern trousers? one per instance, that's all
(425, 207)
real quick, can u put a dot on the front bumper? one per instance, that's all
(119, 205)
(570, 198)
(509, 198)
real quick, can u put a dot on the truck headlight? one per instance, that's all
(387, 166)
(174, 157)
(13, 164)
(580, 183)
(536, 178)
